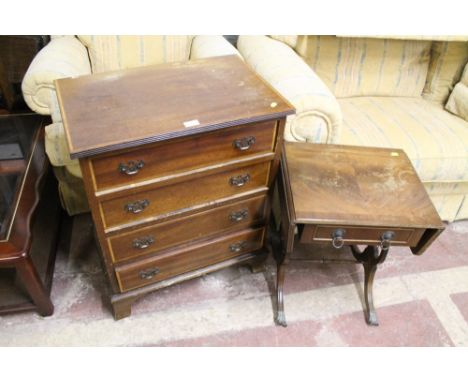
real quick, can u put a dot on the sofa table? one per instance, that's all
(347, 195)
(29, 216)
(178, 162)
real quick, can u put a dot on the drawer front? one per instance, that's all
(158, 160)
(137, 206)
(189, 228)
(161, 267)
(361, 235)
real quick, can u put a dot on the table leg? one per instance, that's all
(32, 282)
(122, 308)
(280, 316)
(370, 259)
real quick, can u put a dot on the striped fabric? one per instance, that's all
(71, 190)
(435, 141)
(290, 40)
(447, 62)
(451, 207)
(367, 66)
(122, 52)
(211, 46)
(62, 57)
(415, 37)
(458, 101)
(318, 116)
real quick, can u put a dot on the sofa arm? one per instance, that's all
(62, 57)
(211, 46)
(318, 115)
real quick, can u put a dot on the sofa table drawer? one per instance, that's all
(138, 206)
(360, 235)
(159, 160)
(188, 228)
(160, 267)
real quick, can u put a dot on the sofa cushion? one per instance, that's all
(447, 62)
(435, 140)
(367, 66)
(458, 100)
(121, 52)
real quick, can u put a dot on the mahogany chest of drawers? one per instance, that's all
(178, 161)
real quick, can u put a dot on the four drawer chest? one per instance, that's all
(178, 161)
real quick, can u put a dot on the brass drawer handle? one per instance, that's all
(338, 238)
(143, 242)
(137, 207)
(385, 239)
(148, 274)
(131, 168)
(238, 216)
(237, 247)
(243, 144)
(240, 180)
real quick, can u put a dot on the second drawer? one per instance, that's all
(136, 207)
(188, 228)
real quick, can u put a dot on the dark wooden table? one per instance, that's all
(346, 195)
(29, 216)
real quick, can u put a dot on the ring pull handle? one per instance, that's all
(338, 238)
(148, 274)
(238, 216)
(137, 207)
(237, 247)
(243, 144)
(385, 239)
(131, 168)
(143, 242)
(240, 180)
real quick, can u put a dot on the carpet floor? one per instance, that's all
(420, 301)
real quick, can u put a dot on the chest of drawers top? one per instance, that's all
(123, 109)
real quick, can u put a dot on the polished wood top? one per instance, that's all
(332, 184)
(120, 109)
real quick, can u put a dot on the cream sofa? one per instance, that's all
(378, 91)
(72, 56)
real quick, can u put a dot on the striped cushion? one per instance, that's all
(435, 141)
(367, 66)
(122, 52)
(447, 62)
(290, 40)
(451, 207)
(458, 100)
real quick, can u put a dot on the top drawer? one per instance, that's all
(162, 159)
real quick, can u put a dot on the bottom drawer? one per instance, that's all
(361, 235)
(160, 267)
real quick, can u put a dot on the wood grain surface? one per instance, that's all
(185, 195)
(122, 109)
(357, 186)
(187, 259)
(179, 155)
(233, 216)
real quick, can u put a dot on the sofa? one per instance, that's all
(72, 56)
(382, 91)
